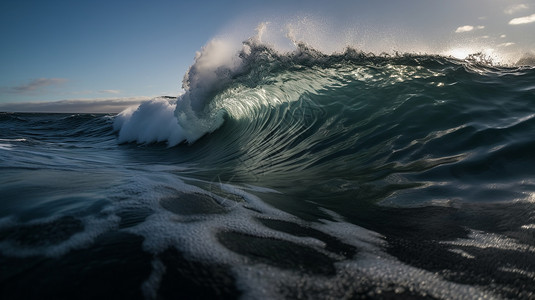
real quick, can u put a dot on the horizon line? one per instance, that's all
(107, 105)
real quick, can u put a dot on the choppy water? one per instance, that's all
(298, 175)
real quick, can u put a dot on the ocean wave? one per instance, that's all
(352, 115)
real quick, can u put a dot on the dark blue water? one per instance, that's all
(299, 175)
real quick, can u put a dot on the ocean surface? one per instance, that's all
(294, 175)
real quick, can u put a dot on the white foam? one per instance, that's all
(462, 253)
(381, 269)
(518, 271)
(197, 238)
(150, 122)
(6, 146)
(371, 265)
(351, 234)
(528, 226)
(485, 240)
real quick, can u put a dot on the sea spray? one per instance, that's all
(152, 121)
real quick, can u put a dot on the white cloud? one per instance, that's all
(503, 36)
(515, 8)
(110, 91)
(506, 44)
(35, 84)
(522, 20)
(467, 28)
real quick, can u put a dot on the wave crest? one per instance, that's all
(213, 83)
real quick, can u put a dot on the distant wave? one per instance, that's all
(75, 105)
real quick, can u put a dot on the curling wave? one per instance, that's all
(354, 116)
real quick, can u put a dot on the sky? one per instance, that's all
(96, 56)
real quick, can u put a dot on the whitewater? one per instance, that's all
(282, 174)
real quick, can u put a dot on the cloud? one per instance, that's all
(110, 91)
(467, 28)
(75, 106)
(35, 84)
(522, 20)
(515, 8)
(506, 44)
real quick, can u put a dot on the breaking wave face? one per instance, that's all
(352, 115)
(226, 83)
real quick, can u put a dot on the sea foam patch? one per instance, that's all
(150, 122)
(262, 257)
(271, 253)
(485, 240)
